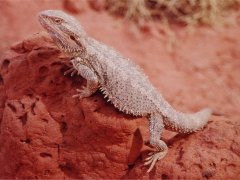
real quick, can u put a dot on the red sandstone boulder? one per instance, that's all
(45, 133)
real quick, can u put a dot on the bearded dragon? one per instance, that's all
(122, 82)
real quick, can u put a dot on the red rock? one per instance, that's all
(45, 133)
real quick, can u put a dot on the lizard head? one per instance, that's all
(64, 29)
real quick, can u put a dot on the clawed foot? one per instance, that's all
(72, 71)
(82, 93)
(153, 158)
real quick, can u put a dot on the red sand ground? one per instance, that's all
(45, 133)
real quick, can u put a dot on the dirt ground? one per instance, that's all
(201, 69)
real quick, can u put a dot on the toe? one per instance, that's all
(68, 71)
(73, 73)
(152, 164)
(75, 96)
(79, 90)
(148, 162)
(151, 153)
(148, 158)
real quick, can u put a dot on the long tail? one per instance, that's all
(182, 122)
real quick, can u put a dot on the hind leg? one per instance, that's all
(156, 127)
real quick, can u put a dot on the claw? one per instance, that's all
(68, 71)
(76, 96)
(73, 73)
(148, 162)
(150, 154)
(148, 158)
(79, 90)
(152, 164)
(153, 158)
(71, 70)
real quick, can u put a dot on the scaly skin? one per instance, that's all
(121, 81)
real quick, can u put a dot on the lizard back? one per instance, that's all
(122, 81)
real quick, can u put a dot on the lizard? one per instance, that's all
(121, 81)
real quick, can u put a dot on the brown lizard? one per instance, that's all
(122, 82)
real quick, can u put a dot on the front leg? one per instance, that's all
(71, 70)
(156, 127)
(88, 74)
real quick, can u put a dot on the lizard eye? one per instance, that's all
(58, 21)
(72, 37)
